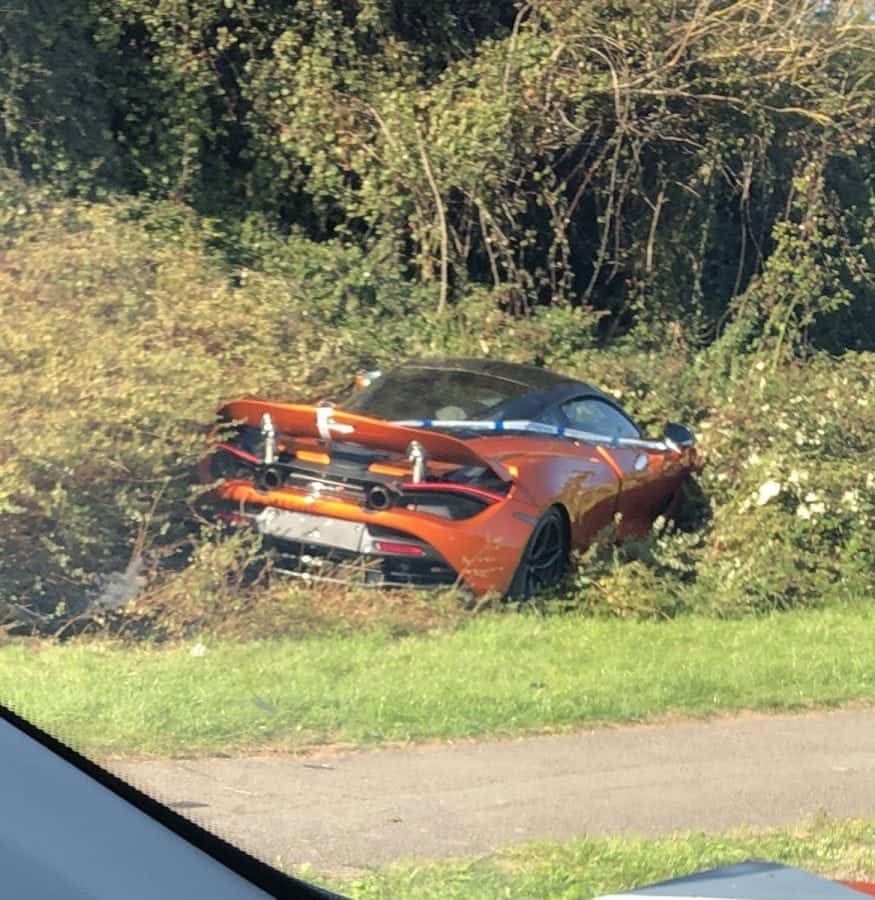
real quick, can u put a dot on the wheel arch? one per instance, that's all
(566, 519)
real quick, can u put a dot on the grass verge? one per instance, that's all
(589, 867)
(498, 675)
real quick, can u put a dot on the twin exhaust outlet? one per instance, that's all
(378, 497)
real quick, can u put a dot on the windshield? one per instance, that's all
(422, 392)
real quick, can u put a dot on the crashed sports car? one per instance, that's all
(464, 472)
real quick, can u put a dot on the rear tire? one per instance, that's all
(545, 559)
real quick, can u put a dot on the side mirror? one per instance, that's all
(678, 435)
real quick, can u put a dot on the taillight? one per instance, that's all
(447, 500)
(240, 454)
(465, 490)
(398, 548)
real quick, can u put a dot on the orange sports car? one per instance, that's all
(453, 471)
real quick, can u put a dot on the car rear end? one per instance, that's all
(375, 507)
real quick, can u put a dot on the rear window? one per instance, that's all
(415, 392)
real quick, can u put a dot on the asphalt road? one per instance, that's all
(354, 810)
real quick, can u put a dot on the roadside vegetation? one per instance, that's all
(673, 200)
(497, 676)
(121, 330)
(589, 867)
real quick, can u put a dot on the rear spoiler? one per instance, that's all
(328, 424)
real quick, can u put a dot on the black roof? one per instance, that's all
(537, 393)
(533, 377)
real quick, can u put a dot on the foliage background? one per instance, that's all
(673, 198)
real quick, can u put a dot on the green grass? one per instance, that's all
(586, 868)
(498, 675)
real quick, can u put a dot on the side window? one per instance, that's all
(598, 417)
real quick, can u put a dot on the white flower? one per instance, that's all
(197, 650)
(870, 480)
(768, 491)
(793, 477)
(811, 496)
(851, 499)
(803, 512)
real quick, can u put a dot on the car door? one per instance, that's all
(644, 488)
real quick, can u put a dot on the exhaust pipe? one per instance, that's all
(378, 498)
(271, 478)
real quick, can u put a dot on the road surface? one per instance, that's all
(344, 811)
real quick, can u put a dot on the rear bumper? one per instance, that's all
(326, 564)
(481, 552)
(320, 548)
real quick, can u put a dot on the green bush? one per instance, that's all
(119, 337)
(790, 492)
(645, 158)
(673, 200)
(121, 331)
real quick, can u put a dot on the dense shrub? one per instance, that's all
(672, 199)
(118, 337)
(646, 158)
(120, 332)
(785, 505)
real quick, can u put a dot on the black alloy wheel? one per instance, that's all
(545, 560)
